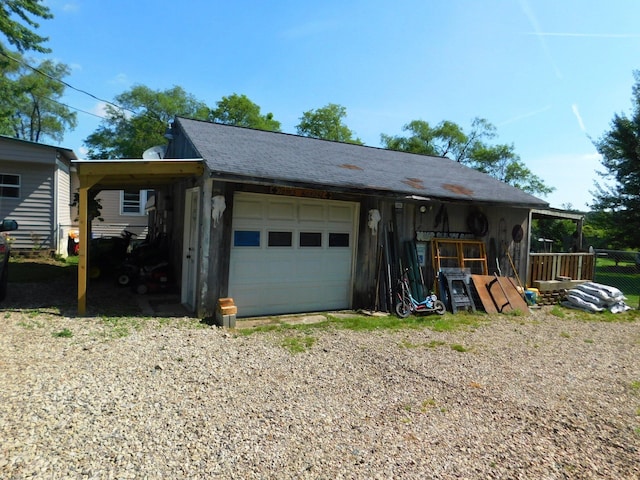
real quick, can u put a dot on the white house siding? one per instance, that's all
(113, 222)
(62, 207)
(34, 209)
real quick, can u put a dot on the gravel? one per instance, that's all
(536, 397)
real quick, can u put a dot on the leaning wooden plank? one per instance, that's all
(515, 297)
(496, 298)
(480, 285)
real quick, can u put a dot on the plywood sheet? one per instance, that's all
(495, 299)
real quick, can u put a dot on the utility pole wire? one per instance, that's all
(37, 70)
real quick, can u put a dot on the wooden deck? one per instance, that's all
(550, 266)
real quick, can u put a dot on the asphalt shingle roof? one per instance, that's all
(237, 153)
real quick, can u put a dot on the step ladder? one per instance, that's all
(458, 291)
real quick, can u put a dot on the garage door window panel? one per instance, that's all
(246, 238)
(338, 240)
(310, 239)
(280, 239)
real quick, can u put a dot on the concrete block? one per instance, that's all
(226, 321)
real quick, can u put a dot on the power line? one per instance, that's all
(75, 108)
(37, 70)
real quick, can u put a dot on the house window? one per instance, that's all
(132, 202)
(9, 185)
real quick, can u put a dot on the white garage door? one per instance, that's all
(291, 254)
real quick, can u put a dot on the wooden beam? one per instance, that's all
(84, 249)
(86, 182)
(144, 169)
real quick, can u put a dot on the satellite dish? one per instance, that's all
(154, 153)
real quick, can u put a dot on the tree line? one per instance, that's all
(30, 108)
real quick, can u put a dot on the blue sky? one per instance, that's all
(548, 74)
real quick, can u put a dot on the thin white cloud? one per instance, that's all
(528, 11)
(120, 79)
(100, 109)
(517, 118)
(70, 7)
(576, 112)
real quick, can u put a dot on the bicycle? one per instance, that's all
(407, 305)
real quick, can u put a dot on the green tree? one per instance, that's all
(448, 139)
(326, 123)
(620, 195)
(17, 24)
(240, 111)
(138, 119)
(29, 99)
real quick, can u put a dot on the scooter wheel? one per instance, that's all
(142, 289)
(439, 307)
(403, 310)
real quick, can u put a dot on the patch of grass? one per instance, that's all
(366, 323)
(632, 315)
(459, 348)
(298, 344)
(427, 405)
(588, 340)
(558, 311)
(565, 335)
(431, 344)
(119, 327)
(64, 333)
(407, 344)
(31, 324)
(635, 385)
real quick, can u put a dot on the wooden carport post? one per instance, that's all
(86, 182)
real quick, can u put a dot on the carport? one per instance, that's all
(97, 175)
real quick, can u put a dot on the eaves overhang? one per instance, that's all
(140, 173)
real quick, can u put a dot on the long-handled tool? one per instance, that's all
(515, 272)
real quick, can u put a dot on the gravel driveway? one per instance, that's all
(535, 397)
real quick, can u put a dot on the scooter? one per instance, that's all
(407, 305)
